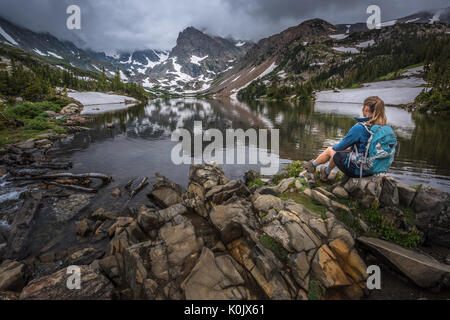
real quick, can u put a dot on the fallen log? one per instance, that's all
(73, 187)
(53, 166)
(105, 179)
(139, 188)
(129, 184)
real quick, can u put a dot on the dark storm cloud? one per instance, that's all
(134, 24)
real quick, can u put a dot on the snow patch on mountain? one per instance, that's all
(437, 16)
(39, 52)
(196, 60)
(366, 44)
(240, 44)
(339, 36)
(8, 37)
(346, 49)
(54, 55)
(388, 23)
(183, 77)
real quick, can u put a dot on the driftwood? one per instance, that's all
(141, 186)
(129, 184)
(105, 179)
(73, 187)
(54, 166)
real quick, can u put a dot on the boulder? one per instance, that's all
(406, 194)
(94, 286)
(432, 209)
(265, 202)
(326, 269)
(83, 227)
(66, 209)
(84, 256)
(27, 145)
(21, 226)
(284, 185)
(430, 199)
(71, 108)
(423, 270)
(12, 276)
(215, 278)
(229, 220)
(389, 193)
(366, 190)
(166, 193)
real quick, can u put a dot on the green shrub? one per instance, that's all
(316, 291)
(274, 246)
(292, 170)
(257, 182)
(30, 110)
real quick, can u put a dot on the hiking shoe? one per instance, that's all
(308, 166)
(323, 174)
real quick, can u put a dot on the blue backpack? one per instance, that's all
(380, 150)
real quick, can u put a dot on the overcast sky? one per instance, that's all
(155, 24)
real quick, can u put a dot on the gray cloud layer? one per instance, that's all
(138, 24)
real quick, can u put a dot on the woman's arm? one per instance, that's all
(350, 139)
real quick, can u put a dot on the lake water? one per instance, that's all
(140, 145)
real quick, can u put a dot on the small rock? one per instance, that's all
(340, 192)
(82, 228)
(85, 256)
(70, 109)
(29, 144)
(103, 215)
(284, 185)
(94, 286)
(12, 275)
(116, 193)
(3, 173)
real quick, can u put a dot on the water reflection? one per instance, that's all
(139, 143)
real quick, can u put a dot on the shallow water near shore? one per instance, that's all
(139, 143)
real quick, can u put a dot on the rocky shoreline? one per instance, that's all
(221, 239)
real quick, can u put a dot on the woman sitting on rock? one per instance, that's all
(357, 139)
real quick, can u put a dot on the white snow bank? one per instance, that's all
(346, 49)
(413, 71)
(196, 60)
(98, 102)
(39, 52)
(339, 36)
(240, 44)
(366, 44)
(395, 92)
(54, 55)
(388, 23)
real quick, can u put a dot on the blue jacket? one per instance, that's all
(358, 136)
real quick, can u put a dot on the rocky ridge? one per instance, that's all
(220, 239)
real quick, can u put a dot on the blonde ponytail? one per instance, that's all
(377, 108)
